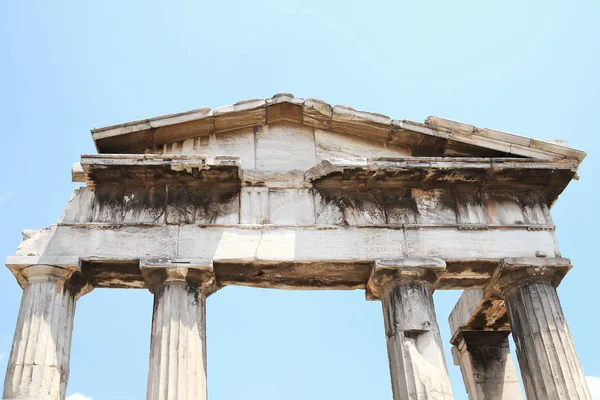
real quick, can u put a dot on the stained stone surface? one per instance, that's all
(417, 364)
(178, 346)
(293, 193)
(487, 366)
(549, 365)
(38, 367)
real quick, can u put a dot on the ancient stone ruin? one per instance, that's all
(288, 193)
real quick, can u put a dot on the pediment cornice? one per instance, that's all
(435, 137)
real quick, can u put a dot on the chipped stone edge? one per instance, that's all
(81, 171)
(473, 302)
(328, 167)
(347, 118)
(404, 269)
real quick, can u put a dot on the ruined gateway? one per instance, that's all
(289, 193)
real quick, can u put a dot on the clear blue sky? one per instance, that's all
(529, 67)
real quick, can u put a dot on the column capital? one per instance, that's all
(515, 272)
(65, 271)
(199, 273)
(403, 270)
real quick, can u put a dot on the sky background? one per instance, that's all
(528, 67)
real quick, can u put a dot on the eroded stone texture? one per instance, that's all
(436, 137)
(549, 365)
(178, 345)
(292, 194)
(417, 363)
(38, 367)
(487, 366)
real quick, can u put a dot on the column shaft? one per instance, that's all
(178, 348)
(487, 366)
(549, 365)
(38, 367)
(417, 364)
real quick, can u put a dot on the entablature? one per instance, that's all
(147, 170)
(547, 177)
(468, 193)
(331, 257)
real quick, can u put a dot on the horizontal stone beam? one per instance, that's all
(484, 309)
(152, 169)
(547, 177)
(476, 311)
(179, 197)
(328, 167)
(282, 257)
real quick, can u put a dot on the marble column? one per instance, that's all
(178, 345)
(550, 368)
(416, 356)
(549, 365)
(486, 364)
(38, 367)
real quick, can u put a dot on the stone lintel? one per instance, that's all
(485, 310)
(196, 272)
(476, 311)
(386, 271)
(287, 257)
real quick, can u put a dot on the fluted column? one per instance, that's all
(38, 367)
(549, 364)
(416, 356)
(487, 366)
(178, 345)
(547, 357)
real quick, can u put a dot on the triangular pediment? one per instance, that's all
(335, 129)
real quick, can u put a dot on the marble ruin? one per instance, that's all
(288, 193)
